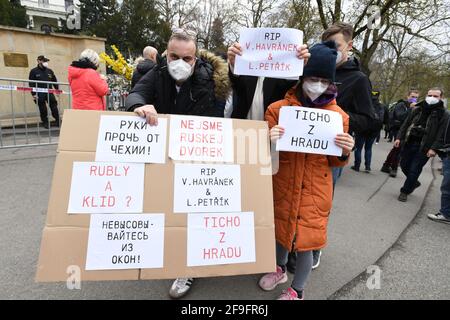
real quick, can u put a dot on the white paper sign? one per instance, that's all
(131, 139)
(220, 239)
(310, 130)
(269, 52)
(201, 139)
(207, 188)
(102, 187)
(125, 241)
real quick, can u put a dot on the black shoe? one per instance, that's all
(292, 262)
(402, 197)
(316, 258)
(45, 125)
(385, 169)
(367, 170)
(355, 168)
(418, 184)
(393, 173)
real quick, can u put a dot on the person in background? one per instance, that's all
(43, 73)
(88, 87)
(366, 139)
(399, 114)
(149, 61)
(417, 135)
(442, 148)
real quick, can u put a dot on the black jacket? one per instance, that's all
(196, 96)
(434, 121)
(354, 96)
(442, 144)
(399, 114)
(141, 69)
(42, 74)
(244, 89)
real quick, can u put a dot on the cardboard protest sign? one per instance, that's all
(220, 238)
(207, 188)
(131, 139)
(125, 241)
(310, 130)
(68, 242)
(106, 187)
(201, 139)
(270, 52)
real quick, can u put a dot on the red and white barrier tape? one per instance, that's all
(29, 89)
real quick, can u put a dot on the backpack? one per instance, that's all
(377, 124)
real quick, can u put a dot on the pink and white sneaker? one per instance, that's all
(271, 280)
(289, 294)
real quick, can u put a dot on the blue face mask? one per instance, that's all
(412, 100)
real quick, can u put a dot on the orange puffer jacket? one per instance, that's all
(303, 188)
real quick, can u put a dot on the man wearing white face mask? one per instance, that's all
(183, 83)
(418, 134)
(43, 73)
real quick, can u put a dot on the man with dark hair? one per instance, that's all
(418, 134)
(43, 73)
(184, 82)
(399, 114)
(354, 91)
(354, 87)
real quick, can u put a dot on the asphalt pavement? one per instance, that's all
(366, 223)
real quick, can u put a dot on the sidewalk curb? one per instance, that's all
(363, 275)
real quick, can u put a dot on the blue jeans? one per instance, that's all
(337, 172)
(366, 142)
(445, 188)
(412, 162)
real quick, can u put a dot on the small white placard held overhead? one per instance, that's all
(270, 52)
(125, 241)
(201, 139)
(220, 238)
(102, 187)
(310, 130)
(131, 139)
(207, 188)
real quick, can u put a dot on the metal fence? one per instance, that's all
(20, 118)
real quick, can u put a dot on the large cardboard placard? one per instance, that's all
(64, 245)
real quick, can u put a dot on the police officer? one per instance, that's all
(43, 73)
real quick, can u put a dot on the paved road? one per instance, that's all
(416, 267)
(366, 221)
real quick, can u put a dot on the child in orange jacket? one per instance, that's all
(303, 186)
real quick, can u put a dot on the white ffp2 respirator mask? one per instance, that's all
(314, 89)
(431, 100)
(180, 70)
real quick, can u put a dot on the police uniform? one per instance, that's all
(44, 74)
